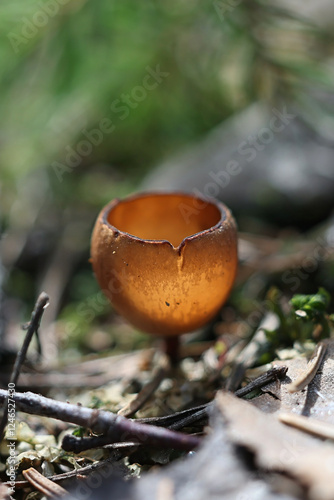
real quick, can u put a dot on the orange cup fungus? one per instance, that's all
(166, 261)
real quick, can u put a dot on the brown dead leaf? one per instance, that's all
(279, 448)
(43, 484)
(215, 471)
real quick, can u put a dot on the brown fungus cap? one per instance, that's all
(166, 261)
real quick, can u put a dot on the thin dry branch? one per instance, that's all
(178, 420)
(32, 329)
(108, 464)
(116, 427)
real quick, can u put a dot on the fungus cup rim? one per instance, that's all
(223, 210)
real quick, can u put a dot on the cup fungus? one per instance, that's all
(166, 261)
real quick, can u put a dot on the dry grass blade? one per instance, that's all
(311, 426)
(311, 369)
(43, 484)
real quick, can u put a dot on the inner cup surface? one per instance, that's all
(170, 217)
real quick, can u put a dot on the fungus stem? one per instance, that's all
(171, 348)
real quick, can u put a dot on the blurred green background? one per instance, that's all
(68, 65)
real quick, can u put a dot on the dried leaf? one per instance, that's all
(277, 447)
(4, 492)
(43, 484)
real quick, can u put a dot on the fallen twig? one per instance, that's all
(185, 418)
(77, 445)
(276, 372)
(83, 471)
(177, 420)
(116, 427)
(32, 328)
